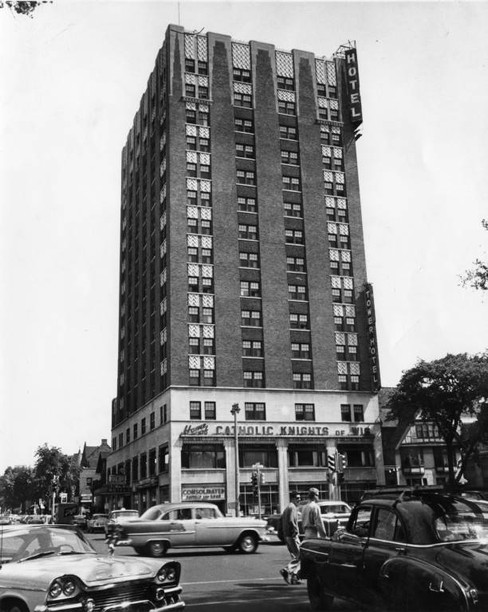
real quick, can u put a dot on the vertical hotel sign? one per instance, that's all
(372, 340)
(352, 81)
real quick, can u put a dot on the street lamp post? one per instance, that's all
(235, 411)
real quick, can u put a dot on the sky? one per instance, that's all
(72, 78)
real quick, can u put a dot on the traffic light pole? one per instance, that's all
(257, 480)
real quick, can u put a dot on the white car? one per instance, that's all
(117, 516)
(97, 523)
(335, 514)
(190, 525)
(54, 568)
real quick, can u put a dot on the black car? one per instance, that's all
(414, 552)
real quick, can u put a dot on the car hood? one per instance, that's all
(469, 559)
(90, 568)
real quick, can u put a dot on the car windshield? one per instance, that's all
(151, 514)
(23, 542)
(125, 514)
(335, 508)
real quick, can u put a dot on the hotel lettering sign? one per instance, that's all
(352, 82)
(202, 493)
(278, 430)
(372, 340)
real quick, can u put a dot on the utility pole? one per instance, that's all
(235, 411)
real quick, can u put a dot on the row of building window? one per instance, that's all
(212, 456)
(135, 432)
(256, 411)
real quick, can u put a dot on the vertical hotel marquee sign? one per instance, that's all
(352, 81)
(372, 340)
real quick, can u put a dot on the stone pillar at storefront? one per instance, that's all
(283, 482)
(229, 472)
(175, 472)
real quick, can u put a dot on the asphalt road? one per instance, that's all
(216, 581)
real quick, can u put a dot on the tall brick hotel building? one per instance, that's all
(243, 281)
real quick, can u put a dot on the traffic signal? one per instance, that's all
(342, 463)
(261, 478)
(254, 481)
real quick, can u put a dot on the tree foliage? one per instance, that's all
(23, 7)
(477, 277)
(17, 488)
(54, 471)
(452, 392)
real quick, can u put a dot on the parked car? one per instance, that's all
(117, 516)
(54, 568)
(192, 524)
(418, 551)
(96, 523)
(335, 514)
(80, 520)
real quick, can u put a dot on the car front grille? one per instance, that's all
(121, 594)
(133, 597)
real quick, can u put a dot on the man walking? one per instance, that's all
(313, 526)
(289, 528)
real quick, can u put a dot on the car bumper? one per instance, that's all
(171, 601)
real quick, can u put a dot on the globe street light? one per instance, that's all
(235, 411)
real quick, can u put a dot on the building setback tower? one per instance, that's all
(243, 281)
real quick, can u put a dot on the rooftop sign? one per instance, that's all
(352, 82)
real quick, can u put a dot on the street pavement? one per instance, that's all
(217, 581)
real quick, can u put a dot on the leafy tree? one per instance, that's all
(23, 7)
(17, 487)
(452, 392)
(477, 277)
(54, 471)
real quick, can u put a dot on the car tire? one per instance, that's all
(13, 607)
(248, 543)
(319, 599)
(157, 549)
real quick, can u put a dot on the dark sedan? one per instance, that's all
(420, 551)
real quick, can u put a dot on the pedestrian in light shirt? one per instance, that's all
(289, 528)
(313, 526)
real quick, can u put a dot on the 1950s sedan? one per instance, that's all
(418, 552)
(53, 568)
(190, 524)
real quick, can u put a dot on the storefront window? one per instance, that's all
(265, 455)
(249, 503)
(306, 455)
(361, 455)
(202, 456)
